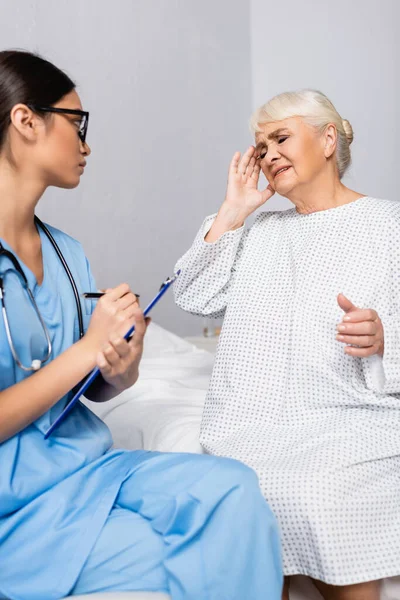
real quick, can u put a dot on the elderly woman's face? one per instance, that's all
(291, 154)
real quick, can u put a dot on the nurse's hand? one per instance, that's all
(360, 327)
(114, 315)
(119, 360)
(242, 194)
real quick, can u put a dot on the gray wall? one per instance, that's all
(350, 50)
(168, 86)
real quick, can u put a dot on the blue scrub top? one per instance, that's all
(54, 493)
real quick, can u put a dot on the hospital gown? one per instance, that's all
(321, 428)
(78, 517)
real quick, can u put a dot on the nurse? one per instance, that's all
(75, 516)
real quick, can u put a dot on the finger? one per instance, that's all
(244, 162)
(250, 167)
(111, 355)
(147, 322)
(361, 352)
(120, 345)
(128, 315)
(365, 341)
(345, 304)
(267, 193)
(233, 167)
(103, 364)
(126, 324)
(140, 329)
(361, 314)
(256, 171)
(358, 328)
(135, 322)
(127, 300)
(119, 291)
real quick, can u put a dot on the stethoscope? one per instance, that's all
(36, 363)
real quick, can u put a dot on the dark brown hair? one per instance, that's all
(28, 79)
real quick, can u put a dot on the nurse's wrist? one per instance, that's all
(89, 350)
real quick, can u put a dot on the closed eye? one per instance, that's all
(280, 140)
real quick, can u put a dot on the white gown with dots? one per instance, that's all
(321, 428)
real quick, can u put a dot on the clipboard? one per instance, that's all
(96, 371)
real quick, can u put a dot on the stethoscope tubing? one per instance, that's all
(68, 272)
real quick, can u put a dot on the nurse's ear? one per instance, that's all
(25, 122)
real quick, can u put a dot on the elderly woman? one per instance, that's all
(306, 384)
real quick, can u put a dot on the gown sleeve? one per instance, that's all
(382, 374)
(208, 271)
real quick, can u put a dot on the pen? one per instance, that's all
(97, 295)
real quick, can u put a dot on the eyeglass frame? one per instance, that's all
(66, 111)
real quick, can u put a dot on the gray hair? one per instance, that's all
(316, 110)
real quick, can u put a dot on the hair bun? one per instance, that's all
(348, 130)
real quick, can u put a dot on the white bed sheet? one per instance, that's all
(163, 412)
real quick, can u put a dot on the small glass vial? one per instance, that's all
(211, 327)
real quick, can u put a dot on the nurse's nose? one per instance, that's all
(85, 149)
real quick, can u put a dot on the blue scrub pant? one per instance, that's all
(194, 526)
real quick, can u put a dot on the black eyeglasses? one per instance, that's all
(83, 125)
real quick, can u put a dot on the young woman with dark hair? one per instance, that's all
(75, 515)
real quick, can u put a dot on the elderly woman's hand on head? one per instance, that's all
(242, 194)
(360, 327)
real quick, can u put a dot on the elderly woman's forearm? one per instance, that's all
(227, 219)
